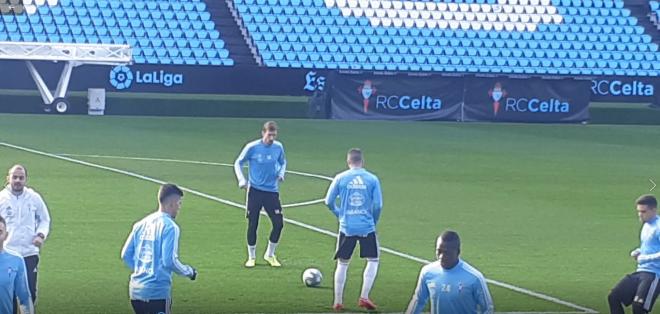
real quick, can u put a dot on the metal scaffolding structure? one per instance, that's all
(72, 55)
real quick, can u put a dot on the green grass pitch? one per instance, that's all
(548, 208)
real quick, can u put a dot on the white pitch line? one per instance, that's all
(208, 163)
(194, 162)
(294, 222)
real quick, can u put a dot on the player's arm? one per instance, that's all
(170, 249)
(43, 222)
(377, 197)
(238, 166)
(482, 296)
(22, 291)
(128, 251)
(282, 162)
(420, 296)
(331, 196)
(645, 258)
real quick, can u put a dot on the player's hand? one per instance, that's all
(242, 185)
(280, 178)
(635, 254)
(38, 241)
(194, 275)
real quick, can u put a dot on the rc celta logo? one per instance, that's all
(121, 77)
(620, 88)
(531, 105)
(366, 90)
(497, 93)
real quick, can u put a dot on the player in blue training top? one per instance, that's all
(13, 278)
(267, 164)
(360, 204)
(452, 284)
(641, 287)
(152, 253)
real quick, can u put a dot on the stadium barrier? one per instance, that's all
(171, 79)
(435, 97)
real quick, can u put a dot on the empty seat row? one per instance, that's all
(156, 32)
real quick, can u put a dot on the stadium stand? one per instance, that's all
(545, 37)
(160, 32)
(567, 37)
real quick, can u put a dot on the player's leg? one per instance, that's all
(273, 208)
(31, 267)
(139, 306)
(647, 292)
(623, 293)
(345, 247)
(370, 250)
(253, 207)
(162, 306)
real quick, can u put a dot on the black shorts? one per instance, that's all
(257, 199)
(368, 246)
(152, 306)
(639, 287)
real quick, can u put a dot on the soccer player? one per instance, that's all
(151, 252)
(28, 222)
(267, 165)
(14, 284)
(641, 287)
(360, 204)
(453, 285)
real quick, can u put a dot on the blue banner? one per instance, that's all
(395, 97)
(145, 78)
(526, 100)
(625, 89)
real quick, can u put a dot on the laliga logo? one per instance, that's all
(121, 77)
(366, 90)
(497, 93)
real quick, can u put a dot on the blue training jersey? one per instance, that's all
(459, 290)
(360, 201)
(265, 164)
(151, 251)
(13, 283)
(649, 258)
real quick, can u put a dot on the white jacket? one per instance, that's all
(26, 216)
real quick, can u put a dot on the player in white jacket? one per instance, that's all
(28, 221)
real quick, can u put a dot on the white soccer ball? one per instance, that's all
(312, 277)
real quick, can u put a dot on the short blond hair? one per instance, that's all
(269, 126)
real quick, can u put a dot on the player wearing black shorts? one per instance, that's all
(360, 203)
(266, 167)
(640, 289)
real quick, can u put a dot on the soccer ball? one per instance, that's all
(312, 277)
